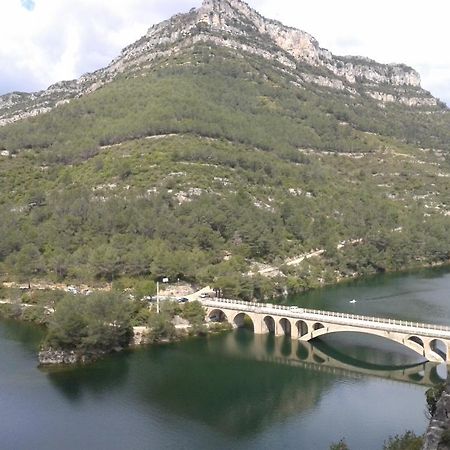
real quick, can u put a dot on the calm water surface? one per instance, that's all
(233, 391)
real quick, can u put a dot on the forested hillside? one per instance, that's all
(211, 161)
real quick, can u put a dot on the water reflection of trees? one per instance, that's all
(234, 394)
(29, 335)
(96, 379)
(241, 382)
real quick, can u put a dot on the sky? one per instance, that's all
(45, 41)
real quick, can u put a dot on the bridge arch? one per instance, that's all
(302, 328)
(440, 348)
(416, 343)
(217, 315)
(242, 320)
(269, 323)
(285, 325)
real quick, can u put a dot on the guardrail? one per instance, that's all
(321, 314)
(381, 320)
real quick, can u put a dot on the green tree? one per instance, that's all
(144, 288)
(68, 325)
(105, 262)
(433, 394)
(407, 441)
(194, 313)
(101, 321)
(27, 262)
(160, 327)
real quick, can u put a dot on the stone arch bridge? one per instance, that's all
(430, 341)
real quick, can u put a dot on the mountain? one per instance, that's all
(234, 25)
(219, 143)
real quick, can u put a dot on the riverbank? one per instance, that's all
(269, 281)
(85, 328)
(142, 336)
(90, 337)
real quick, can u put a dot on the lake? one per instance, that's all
(235, 390)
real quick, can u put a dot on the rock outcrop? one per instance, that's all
(439, 424)
(140, 336)
(233, 24)
(51, 357)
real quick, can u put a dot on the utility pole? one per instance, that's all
(157, 297)
(164, 280)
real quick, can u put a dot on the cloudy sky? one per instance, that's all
(44, 41)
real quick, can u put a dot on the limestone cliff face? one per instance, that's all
(219, 14)
(233, 24)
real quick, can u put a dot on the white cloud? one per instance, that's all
(44, 41)
(63, 39)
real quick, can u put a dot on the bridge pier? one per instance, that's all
(258, 324)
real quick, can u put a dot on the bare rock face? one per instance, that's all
(232, 24)
(140, 336)
(303, 47)
(358, 68)
(220, 14)
(51, 357)
(439, 424)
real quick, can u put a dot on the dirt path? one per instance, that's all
(274, 271)
(42, 286)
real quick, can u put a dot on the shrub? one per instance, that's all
(341, 445)
(101, 321)
(161, 327)
(407, 441)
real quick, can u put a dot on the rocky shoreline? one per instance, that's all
(52, 357)
(437, 436)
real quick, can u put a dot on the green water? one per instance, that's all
(418, 296)
(232, 391)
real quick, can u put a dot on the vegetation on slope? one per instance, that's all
(210, 162)
(213, 92)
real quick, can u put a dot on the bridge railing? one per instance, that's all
(380, 320)
(321, 314)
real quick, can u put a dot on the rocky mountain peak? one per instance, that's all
(235, 25)
(224, 5)
(216, 12)
(235, 17)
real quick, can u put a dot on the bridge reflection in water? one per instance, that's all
(319, 356)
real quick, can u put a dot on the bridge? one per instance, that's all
(430, 341)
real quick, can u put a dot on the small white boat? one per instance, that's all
(352, 301)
